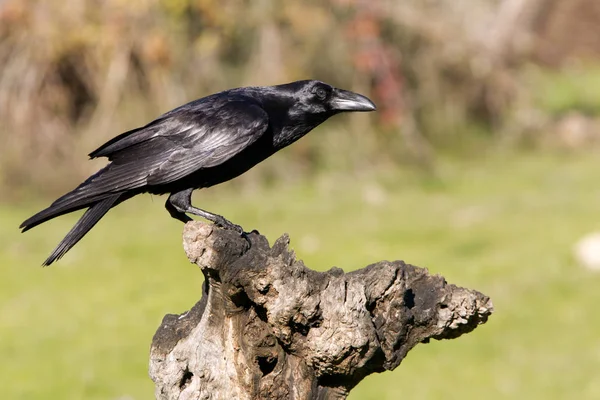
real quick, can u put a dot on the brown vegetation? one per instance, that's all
(568, 30)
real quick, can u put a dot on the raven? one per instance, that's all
(200, 144)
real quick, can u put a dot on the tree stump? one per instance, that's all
(267, 327)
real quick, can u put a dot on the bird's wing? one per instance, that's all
(239, 125)
(178, 145)
(127, 139)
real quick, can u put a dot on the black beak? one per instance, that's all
(344, 100)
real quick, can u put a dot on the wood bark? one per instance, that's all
(267, 327)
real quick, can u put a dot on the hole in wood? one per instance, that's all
(409, 298)
(266, 364)
(186, 378)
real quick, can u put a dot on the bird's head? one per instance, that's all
(296, 108)
(318, 99)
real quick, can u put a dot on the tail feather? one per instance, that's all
(85, 223)
(75, 200)
(49, 213)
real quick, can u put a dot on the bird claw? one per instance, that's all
(223, 223)
(246, 237)
(240, 230)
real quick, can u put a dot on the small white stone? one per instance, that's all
(587, 251)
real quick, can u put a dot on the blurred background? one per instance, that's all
(480, 164)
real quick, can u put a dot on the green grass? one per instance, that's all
(504, 225)
(573, 88)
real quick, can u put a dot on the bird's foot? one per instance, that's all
(221, 222)
(225, 224)
(246, 237)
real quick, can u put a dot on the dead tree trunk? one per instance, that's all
(267, 327)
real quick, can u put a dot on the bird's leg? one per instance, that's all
(180, 203)
(176, 213)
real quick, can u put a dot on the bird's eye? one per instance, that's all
(321, 93)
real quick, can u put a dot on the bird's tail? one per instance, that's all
(77, 199)
(85, 223)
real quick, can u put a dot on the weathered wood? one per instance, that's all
(267, 327)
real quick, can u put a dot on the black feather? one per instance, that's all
(85, 223)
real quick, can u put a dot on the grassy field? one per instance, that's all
(504, 225)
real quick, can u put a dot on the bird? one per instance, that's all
(200, 144)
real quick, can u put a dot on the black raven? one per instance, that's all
(200, 144)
